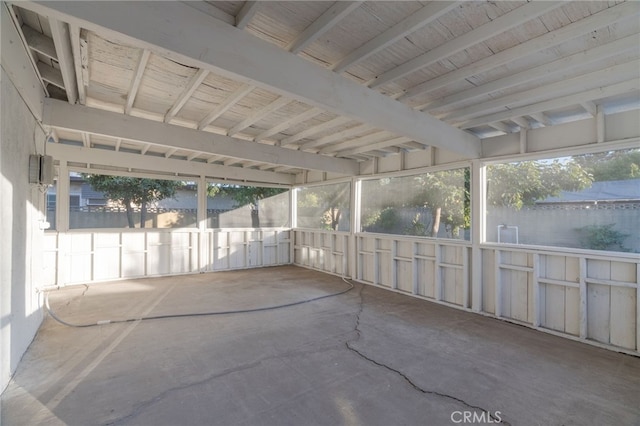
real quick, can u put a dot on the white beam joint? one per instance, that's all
(198, 40)
(137, 78)
(61, 38)
(246, 14)
(111, 124)
(328, 19)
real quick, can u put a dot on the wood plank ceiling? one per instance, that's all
(441, 74)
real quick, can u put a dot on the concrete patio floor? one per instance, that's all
(366, 357)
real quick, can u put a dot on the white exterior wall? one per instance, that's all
(22, 210)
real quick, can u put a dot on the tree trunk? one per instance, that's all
(127, 205)
(255, 218)
(436, 221)
(143, 213)
(335, 219)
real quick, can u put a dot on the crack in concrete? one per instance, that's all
(349, 345)
(146, 404)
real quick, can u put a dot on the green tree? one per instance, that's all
(612, 165)
(523, 183)
(129, 191)
(327, 201)
(246, 195)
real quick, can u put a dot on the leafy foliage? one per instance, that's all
(245, 195)
(612, 165)
(603, 237)
(523, 183)
(326, 202)
(136, 191)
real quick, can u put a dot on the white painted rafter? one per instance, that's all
(246, 14)
(419, 19)
(358, 142)
(291, 121)
(195, 81)
(50, 74)
(136, 161)
(338, 121)
(548, 40)
(328, 19)
(375, 146)
(204, 42)
(137, 79)
(561, 102)
(228, 103)
(563, 69)
(590, 107)
(333, 137)
(258, 115)
(170, 152)
(603, 77)
(40, 42)
(118, 143)
(81, 81)
(90, 120)
(522, 122)
(193, 156)
(499, 25)
(145, 148)
(541, 118)
(62, 40)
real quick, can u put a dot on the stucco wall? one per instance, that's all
(20, 234)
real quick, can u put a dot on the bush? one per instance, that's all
(602, 237)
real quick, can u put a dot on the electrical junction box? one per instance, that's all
(41, 169)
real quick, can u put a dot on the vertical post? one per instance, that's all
(293, 216)
(414, 268)
(201, 217)
(465, 277)
(394, 264)
(356, 201)
(498, 281)
(523, 140)
(638, 307)
(583, 298)
(437, 280)
(600, 125)
(62, 198)
(536, 290)
(478, 233)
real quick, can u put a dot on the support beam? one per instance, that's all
(193, 38)
(238, 94)
(50, 74)
(600, 124)
(169, 153)
(338, 121)
(498, 26)
(576, 99)
(590, 107)
(419, 19)
(17, 63)
(246, 14)
(546, 41)
(40, 42)
(328, 19)
(604, 77)
(136, 161)
(499, 125)
(522, 122)
(258, 115)
(145, 148)
(541, 118)
(137, 78)
(80, 62)
(563, 69)
(99, 122)
(118, 143)
(523, 141)
(62, 40)
(357, 142)
(195, 81)
(333, 137)
(292, 121)
(376, 146)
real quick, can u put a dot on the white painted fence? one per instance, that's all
(581, 294)
(101, 255)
